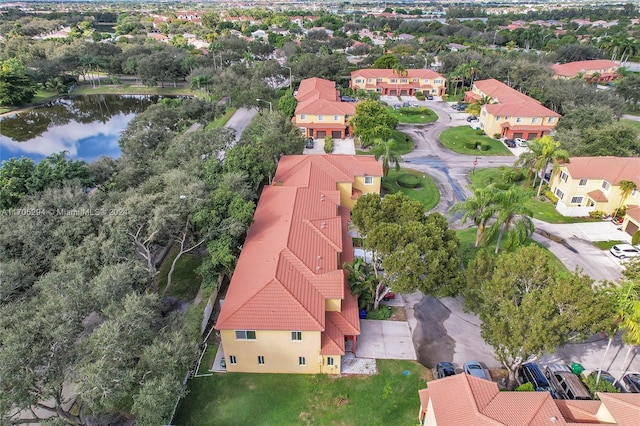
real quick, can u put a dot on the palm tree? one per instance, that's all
(626, 188)
(386, 151)
(512, 217)
(479, 208)
(401, 72)
(361, 280)
(542, 152)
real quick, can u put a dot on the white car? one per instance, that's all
(624, 251)
(521, 142)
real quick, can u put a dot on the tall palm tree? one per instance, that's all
(512, 217)
(626, 188)
(479, 208)
(542, 152)
(386, 151)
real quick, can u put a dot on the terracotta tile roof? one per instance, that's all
(319, 97)
(624, 407)
(634, 213)
(611, 169)
(289, 262)
(390, 73)
(598, 196)
(524, 128)
(571, 69)
(579, 411)
(510, 102)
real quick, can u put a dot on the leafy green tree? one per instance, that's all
(629, 89)
(527, 310)
(371, 209)
(14, 180)
(287, 104)
(372, 121)
(386, 150)
(16, 88)
(626, 188)
(479, 208)
(388, 61)
(363, 282)
(512, 217)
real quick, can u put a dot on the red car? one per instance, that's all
(389, 296)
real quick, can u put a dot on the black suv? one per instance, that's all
(445, 369)
(309, 144)
(531, 373)
(510, 143)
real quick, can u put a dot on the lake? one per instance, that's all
(86, 126)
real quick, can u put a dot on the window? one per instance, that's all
(559, 193)
(260, 360)
(296, 336)
(519, 120)
(564, 176)
(302, 361)
(403, 80)
(336, 118)
(245, 335)
(321, 118)
(552, 119)
(416, 80)
(368, 180)
(576, 200)
(498, 118)
(426, 81)
(232, 359)
(393, 80)
(534, 120)
(303, 116)
(606, 185)
(329, 360)
(634, 192)
(506, 117)
(359, 80)
(369, 80)
(379, 80)
(438, 81)
(583, 182)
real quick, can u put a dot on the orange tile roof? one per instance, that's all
(289, 262)
(510, 102)
(611, 169)
(634, 213)
(571, 69)
(597, 196)
(390, 73)
(624, 407)
(319, 97)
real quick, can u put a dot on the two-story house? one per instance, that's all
(587, 184)
(320, 112)
(289, 308)
(595, 71)
(509, 113)
(389, 82)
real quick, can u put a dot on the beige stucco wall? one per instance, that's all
(402, 83)
(314, 119)
(491, 125)
(279, 351)
(331, 369)
(333, 305)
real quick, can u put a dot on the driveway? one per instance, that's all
(240, 120)
(385, 340)
(340, 146)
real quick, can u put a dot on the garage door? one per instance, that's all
(336, 134)
(517, 135)
(321, 134)
(404, 92)
(631, 228)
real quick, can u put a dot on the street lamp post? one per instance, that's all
(475, 163)
(290, 77)
(270, 105)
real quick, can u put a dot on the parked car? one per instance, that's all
(397, 106)
(531, 373)
(521, 142)
(473, 368)
(606, 376)
(510, 143)
(348, 99)
(632, 382)
(389, 296)
(445, 369)
(406, 104)
(472, 118)
(309, 144)
(566, 384)
(623, 251)
(429, 97)
(460, 107)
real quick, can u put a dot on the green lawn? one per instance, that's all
(123, 89)
(407, 115)
(427, 193)
(404, 144)
(207, 359)
(542, 210)
(40, 96)
(632, 123)
(454, 139)
(388, 398)
(185, 281)
(606, 245)
(222, 120)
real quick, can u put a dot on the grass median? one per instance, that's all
(426, 193)
(457, 139)
(413, 115)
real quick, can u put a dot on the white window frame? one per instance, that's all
(498, 117)
(559, 193)
(393, 80)
(426, 81)
(606, 185)
(534, 120)
(321, 118)
(336, 118)
(359, 80)
(564, 176)
(518, 119)
(303, 116)
(296, 336)
(403, 80)
(634, 193)
(246, 335)
(232, 359)
(330, 360)
(368, 180)
(438, 81)
(369, 80)
(583, 182)
(302, 361)
(551, 119)
(260, 359)
(577, 199)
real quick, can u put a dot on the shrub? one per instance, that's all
(635, 239)
(383, 313)
(328, 144)
(503, 185)
(603, 385)
(551, 196)
(408, 181)
(479, 132)
(597, 214)
(496, 135)
(420, 96)
(484, 146)
(512, 174)
(470, 144)
(525, 387)
(414, 111)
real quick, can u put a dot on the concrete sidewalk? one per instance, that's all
(385, 340)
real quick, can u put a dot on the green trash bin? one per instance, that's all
(577, 368)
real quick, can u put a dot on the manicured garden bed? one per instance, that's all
(426, 192)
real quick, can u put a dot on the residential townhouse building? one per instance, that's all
(320, 112)
(389, 82)
(587, 184)
(510, 114)
(289, 308)
(466, 400)
(595, 71)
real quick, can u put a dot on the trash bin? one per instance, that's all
(577, 368)
(363, 313)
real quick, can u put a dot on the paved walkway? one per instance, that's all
(385, 340)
